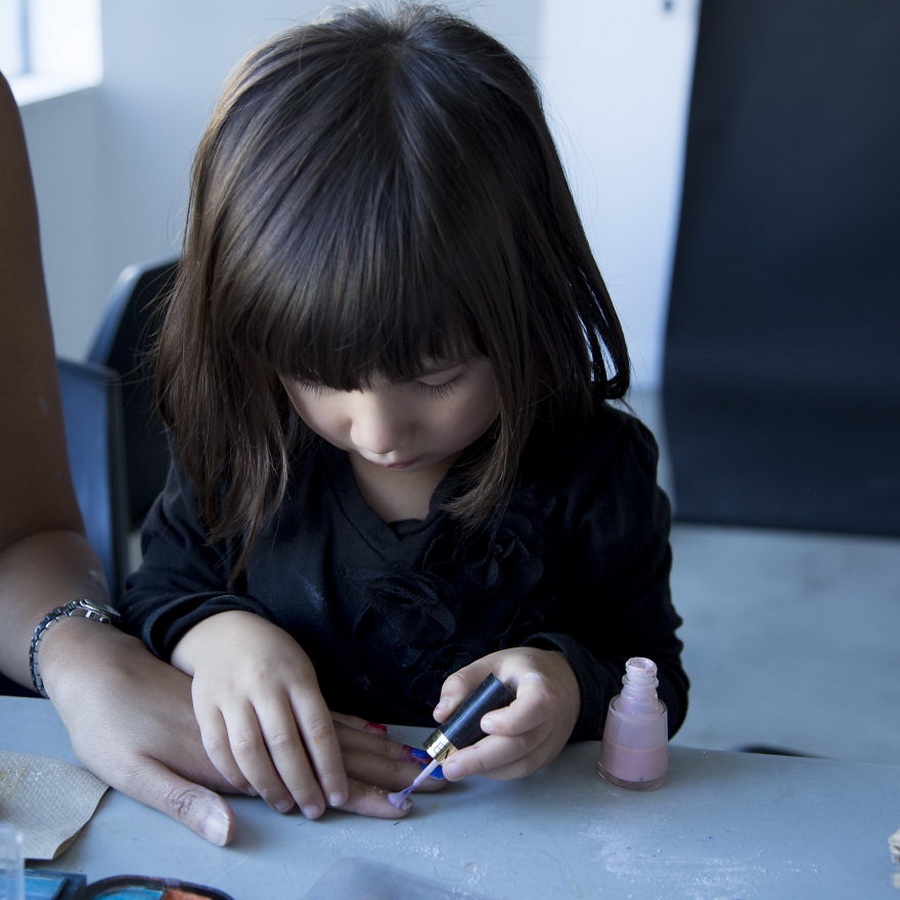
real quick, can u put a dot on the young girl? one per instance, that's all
(386, 367)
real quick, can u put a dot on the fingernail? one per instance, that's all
(437, 773)
(336, 800)
(284, 806)
(424, 760)
(417, 755)
(375, 728)
(215, 829)
(311, 811)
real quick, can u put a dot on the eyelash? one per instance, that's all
(314, 388)
(443, 389)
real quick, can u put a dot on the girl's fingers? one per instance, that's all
(214, 736)
(534, 705)
(323, 750)
(252, 755)
(290, 763)
(458, 686)
(500, 757)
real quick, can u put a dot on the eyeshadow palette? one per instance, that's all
(43, 884)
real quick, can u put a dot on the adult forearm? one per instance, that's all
(38, 573)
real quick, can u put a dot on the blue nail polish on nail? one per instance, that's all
(438, 773)
(419, 755)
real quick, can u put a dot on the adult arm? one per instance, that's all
(39, 514)
(99, 679)
(129, 715)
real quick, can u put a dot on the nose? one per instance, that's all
(380, 424)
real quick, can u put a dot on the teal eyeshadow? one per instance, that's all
(50, 885)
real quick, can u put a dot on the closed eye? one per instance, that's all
(441, 388)
(443, 381)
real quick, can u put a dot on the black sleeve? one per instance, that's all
(618, 603)
(183, 578)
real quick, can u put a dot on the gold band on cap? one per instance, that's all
(437, 746)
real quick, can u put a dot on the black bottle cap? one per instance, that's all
(464, 726)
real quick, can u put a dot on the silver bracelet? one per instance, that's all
(84, 609)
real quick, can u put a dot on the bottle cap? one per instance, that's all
(464, 726)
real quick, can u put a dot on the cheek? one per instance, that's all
(321, 417)
(317, 417)
(473, 419)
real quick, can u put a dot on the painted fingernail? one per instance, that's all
(437, 773)
(375, 728)
(419, 756)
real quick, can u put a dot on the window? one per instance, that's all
(14, 37)
(48, 47)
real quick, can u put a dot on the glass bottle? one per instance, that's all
(634, 752)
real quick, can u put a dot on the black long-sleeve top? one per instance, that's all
(578, 562)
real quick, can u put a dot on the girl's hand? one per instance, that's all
(528, 733)
(262, 718)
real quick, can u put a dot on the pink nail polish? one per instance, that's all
(634, 752)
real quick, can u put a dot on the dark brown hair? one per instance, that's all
(373, 191)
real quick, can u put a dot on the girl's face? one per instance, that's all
(412, 427)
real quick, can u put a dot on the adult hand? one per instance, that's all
(376, 766)
(531, 731)
(130, 720)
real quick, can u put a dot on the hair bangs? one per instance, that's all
(348, 299)
(345, 340)
(370, 272)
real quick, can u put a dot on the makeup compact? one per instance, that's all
(135, 887)
(45, 884)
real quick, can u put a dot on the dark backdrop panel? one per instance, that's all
(781, 381)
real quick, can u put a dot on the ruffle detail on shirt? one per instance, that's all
(419, 608)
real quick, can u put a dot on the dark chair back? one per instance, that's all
(129, 325)
(781, 380)
(92, 408)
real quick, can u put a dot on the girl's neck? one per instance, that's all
(396, 496)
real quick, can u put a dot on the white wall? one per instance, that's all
(111, 164)
(616, 75)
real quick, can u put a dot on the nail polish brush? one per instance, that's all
(462, 729)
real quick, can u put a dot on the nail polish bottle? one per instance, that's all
(634, 752)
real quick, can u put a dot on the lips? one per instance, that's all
(400, 465)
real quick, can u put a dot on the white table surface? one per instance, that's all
(725, 826)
